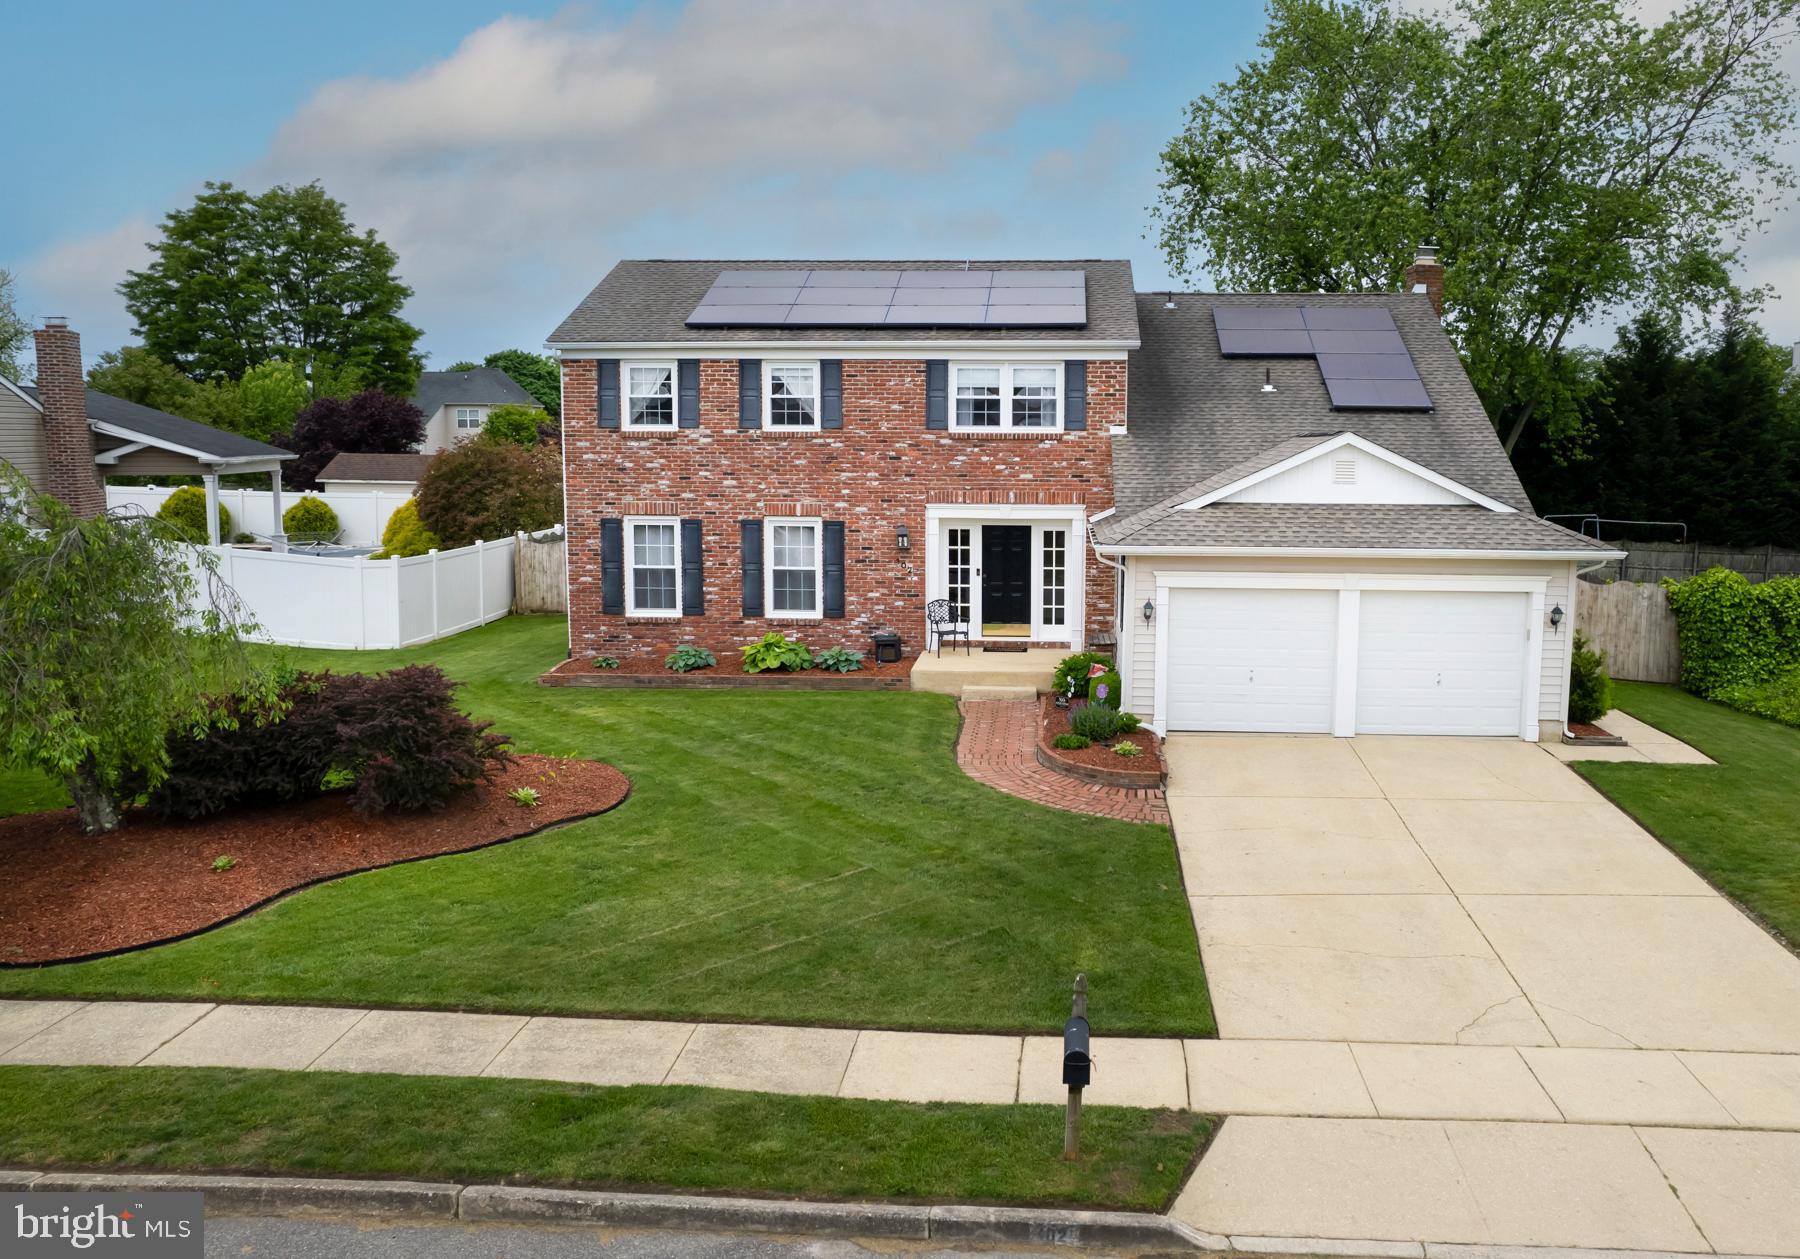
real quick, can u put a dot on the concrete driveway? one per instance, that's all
(1455, 891)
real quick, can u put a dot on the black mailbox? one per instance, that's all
(1078, 1063)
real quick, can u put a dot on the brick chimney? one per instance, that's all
(1426, 275)
(68, 442)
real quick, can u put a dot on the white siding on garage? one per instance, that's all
(1138, 645)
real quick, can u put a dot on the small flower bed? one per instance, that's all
(1099, 744)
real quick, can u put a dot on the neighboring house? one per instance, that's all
(67, 439)
(353, 473)
(456, 404)
(1285, 513)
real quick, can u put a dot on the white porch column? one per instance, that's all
(277, 532)
(212, 508)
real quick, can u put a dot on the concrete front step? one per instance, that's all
(999, 692)
(955, 672)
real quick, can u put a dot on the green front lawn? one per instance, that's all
(1736, 823)
(789, 858)
(647, 1137)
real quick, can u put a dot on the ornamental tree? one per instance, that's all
(484, 490)
(111, 635)
(371, 422)
(1566, 159)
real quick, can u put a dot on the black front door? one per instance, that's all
(1006, 574)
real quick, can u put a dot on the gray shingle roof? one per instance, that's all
(163, 427)
(649, 301)
(1337, 526)
(478, 387)
(1199, 421)
(363, 466)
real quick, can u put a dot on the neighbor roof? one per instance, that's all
(648, 301)
(160, 428)
(477, 387)
(405, 468)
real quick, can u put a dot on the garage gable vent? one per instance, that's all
(1343, 471)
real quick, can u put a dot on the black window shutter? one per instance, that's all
(606, 392)
(750, 395)
(937, 393)
(688, 401)
(693, 591)
(831, 393)
(751, 533)
(1075, 385)
(833, 548)
(612, 567)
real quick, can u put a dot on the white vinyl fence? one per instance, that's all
(362, 517)
(315, 601)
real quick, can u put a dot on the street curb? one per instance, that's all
(385, 1198)
(526, 1204)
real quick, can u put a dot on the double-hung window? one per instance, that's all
(653, 566)
(792, 568)
(791, 395)
(649, 395)
(1008, 395)
(468, 419)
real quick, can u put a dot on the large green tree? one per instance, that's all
(110, 637)
(15, 333)
(1566, 159)
(239, 279)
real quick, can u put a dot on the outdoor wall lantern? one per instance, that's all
(902, 539)
(1149, 611)
(1556, 616)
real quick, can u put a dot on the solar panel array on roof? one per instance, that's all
(894, 299)
(1365, 364)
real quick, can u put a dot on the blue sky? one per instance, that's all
(511, 155)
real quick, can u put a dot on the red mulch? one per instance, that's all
(1055, 721)
(1587, 730)
(67, 895)
(652, 663)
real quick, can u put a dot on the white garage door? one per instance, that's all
(1252, 659)
(1440, 662)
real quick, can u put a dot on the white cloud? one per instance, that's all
(77, 278)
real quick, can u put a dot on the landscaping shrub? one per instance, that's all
(1734, 632)
(487, 490)
(1071, 742)
(1778, 700)
(1129, 722)
(605, 662)
(1125, 747)
(514, 423)
(1072, 671)
(405, 534)
(1590, 688)
(185, 509)
(1096, 722)
(310, 518)
(396, 739)
(687, 657)
(837, 659)
(1104, 689)
(775, 650)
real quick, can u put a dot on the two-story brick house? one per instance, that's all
(1283, 513)
(729, 476)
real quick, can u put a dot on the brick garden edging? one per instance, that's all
(997, 747)
(1050, 757)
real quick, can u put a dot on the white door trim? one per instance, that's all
(1349, 586)
(1071, 517)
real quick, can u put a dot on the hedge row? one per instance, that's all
(1734, 632)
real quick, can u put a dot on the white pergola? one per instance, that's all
(209, 466)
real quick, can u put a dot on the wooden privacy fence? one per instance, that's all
(541, 575)
(1632, 624)
(1653, 561)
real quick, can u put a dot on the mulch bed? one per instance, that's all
(1588, 730)
(647, 669)
(1099, 758)
(67, 895)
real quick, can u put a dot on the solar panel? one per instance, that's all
(1361, 355)
(947, 298)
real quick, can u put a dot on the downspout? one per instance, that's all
(1119, 655)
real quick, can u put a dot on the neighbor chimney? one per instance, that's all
(1426, 275)
(68, 442)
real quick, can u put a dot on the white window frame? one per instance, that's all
(1006, 370)
(625, 366)
(630, 525)
(768, 396)
(817, 525)
(458, 413)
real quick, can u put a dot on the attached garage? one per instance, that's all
(1349, 653)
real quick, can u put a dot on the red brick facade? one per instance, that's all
(877, 473)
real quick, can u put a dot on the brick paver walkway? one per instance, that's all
(996, 748)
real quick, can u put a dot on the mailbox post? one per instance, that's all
(1078, 1065)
